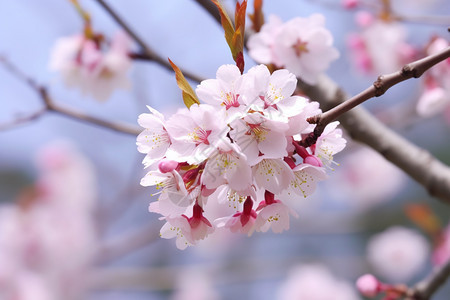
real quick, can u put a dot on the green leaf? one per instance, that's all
(189, 96)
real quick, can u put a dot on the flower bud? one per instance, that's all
(368, 285)
(349, 4)
(167, 165)
(313, 161)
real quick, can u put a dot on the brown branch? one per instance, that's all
(362, 126)
(430, 20)
(426, 288)
(126, 243)
(187, 74)
(379, 87)
(49, 106)
(146, 53)
(211, 8)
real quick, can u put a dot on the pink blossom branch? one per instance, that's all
(362, 126)
(379, 87)
(146, 53)
(51, 106)
(426, 288)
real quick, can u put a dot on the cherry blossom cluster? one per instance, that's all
(234, 162)
(92, 65)
(302, 45)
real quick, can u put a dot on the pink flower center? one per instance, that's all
(258, 131)
(200, 136)
(300, 47)
(197, 217)
(231, 100)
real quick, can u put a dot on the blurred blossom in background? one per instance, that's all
(75, 222)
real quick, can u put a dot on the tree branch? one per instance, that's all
(163, 63)
(426, 288)
(362, 126)
(379, 87)
(147, 53)
(49, 105)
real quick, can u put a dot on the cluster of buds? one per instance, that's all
(235, 161)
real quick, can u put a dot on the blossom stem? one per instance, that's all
(426, 288)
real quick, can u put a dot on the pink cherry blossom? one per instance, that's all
(261, 45)
(216, 161)
(174, 198)
(227, 165)
(273, 214)
(329, 143)
(154, 140)
(273, 175)
(243, 222)
(380, 47)
(84, 65)
(187, 230)
(226, 91)
(195, 132)
(398, 253)
(435, 95)
(305, 180)
(314, 282)
(301, 45)
(355, 179)
(257, 134)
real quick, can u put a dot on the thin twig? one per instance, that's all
(51, 106)
(22, 120)
(426, 288)
(379, 87)
(430, 20)
(146, 52)
(362, 126)
(163, 63)
(126, 243)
